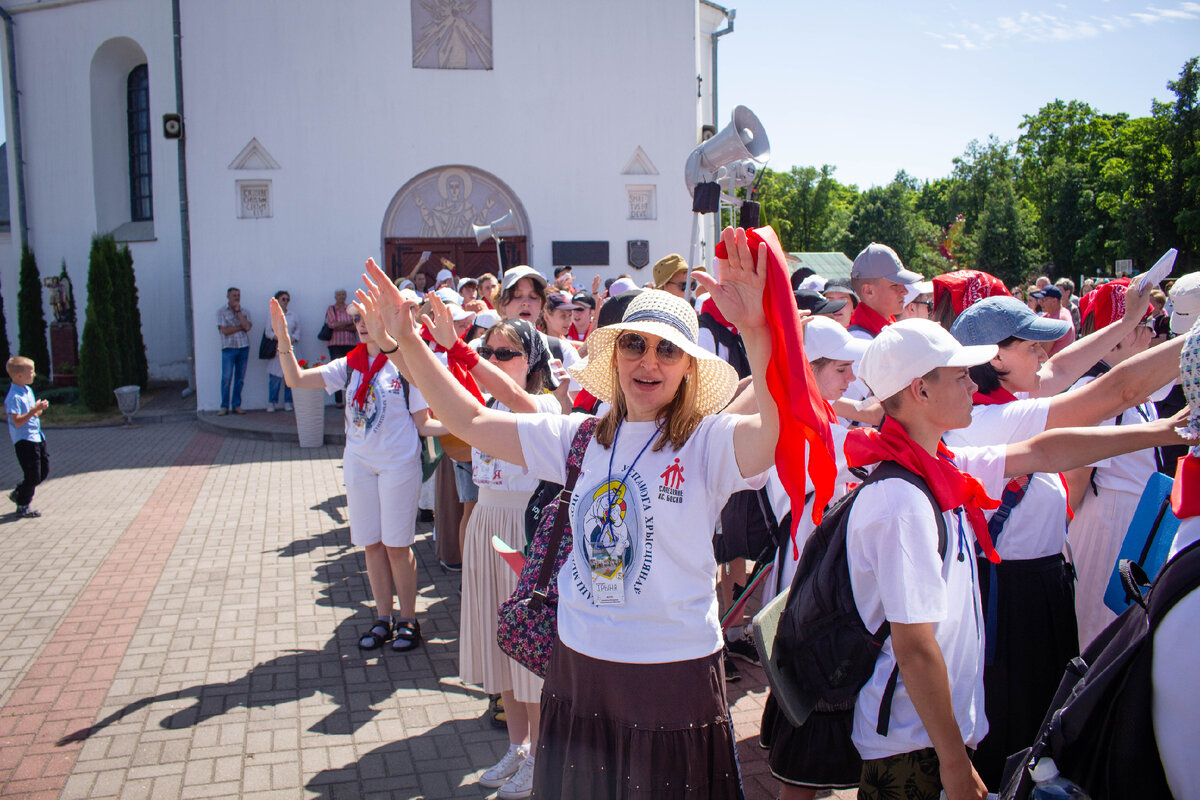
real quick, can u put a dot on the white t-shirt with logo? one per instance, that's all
(1037, 526)
(500, 476)
(897, 574)
(383, 433)
(663, 507)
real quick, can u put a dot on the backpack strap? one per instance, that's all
(1014, 493)
(1179, 577)
(574, 464)
(891, 469)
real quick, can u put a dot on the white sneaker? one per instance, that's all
(504, 769)
(287, 406)
(270, 407)
(520, 785)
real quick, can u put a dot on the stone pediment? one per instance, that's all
(254, 156)
(639, 164)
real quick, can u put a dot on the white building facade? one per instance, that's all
(317, 135)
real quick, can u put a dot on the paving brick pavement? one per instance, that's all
(183, 622)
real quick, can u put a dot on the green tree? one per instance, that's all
(975, 170)
(887, 214)
(5, 352)
(98, 367)
(31, 320)
(1183, 142)
(805, 205)
(1134, 178)
(128, 321)
(1004, 238)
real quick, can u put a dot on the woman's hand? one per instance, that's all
(395, 312)
(439, 322)
(279, 323)
(1135, 303)
(739, 292)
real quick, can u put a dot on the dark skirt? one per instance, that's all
(818, 755)
(1035, 636)
(614, 731)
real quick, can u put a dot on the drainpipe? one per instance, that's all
(185, 230)
(716, 36)
(18, 151)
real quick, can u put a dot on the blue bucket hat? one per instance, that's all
(994, 319)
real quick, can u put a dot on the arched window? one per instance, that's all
(141, 199)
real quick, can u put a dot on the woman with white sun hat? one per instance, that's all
(637, 670)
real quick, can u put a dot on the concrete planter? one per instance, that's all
(309, 405)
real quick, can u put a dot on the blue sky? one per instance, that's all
(873, 87)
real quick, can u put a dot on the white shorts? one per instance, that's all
(375, 495)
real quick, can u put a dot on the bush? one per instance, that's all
(61, 395)
(31, 320)
(97, 368)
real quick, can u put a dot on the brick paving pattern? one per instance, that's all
(183, 622)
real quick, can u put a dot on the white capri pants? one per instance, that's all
(382, 502)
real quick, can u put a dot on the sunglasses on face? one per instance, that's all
(633, 346)
(501, 353)
(682, 285)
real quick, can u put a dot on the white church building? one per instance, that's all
(311, 136)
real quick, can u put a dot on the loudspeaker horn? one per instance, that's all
(503, 225)
(743, 139)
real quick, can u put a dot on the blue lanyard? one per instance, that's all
(611, 454)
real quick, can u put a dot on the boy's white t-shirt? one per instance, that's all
(897, 574)
(664, 507)
(501, 476)
(384, 432)
(1036, 526)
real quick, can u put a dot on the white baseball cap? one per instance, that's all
(915, 290)
(449, 296)
(1185, 303)
(458, 313)
(444, 275)
(511, 276)
(906, 350)
(825, 338)
(621, 285)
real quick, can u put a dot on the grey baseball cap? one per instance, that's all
(994, 319)
(880, 261)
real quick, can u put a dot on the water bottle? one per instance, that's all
(1049, 785)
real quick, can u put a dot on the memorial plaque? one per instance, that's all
(579, 254)
(638, 251)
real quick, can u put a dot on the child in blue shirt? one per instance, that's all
(25, 430)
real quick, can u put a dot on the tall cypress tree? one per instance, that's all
(112, 314)
(31, 320)
(5, 353)
(96, 367)
(138, 370)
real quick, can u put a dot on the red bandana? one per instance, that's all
(1185, 492)
(804, 416)
(951, 486)
(357, 359)
(866, 317)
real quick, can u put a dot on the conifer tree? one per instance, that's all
(96, 367)
(31, 320)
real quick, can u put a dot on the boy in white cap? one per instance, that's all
(922, 711)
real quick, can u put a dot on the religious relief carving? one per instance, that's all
(452, 34)
(445, 202)
(254, 199)
(643, 202)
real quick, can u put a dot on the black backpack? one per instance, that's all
(1099, 729)
(823, 645)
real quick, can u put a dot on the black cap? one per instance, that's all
(815, 302)
(584, 298)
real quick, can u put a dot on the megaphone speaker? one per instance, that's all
(743, 138)
(482, 233)
(503, 225)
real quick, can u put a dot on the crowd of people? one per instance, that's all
(1033, 420)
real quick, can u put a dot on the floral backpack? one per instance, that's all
(528, 619)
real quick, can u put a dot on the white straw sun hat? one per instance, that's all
(661, 314)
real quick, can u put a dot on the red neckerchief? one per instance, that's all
(996, 398)
(866, 317)
(804, 416)
(1185, 492)
(951, 487)
(1000, 397)
(574, 335)
(460, 372)
(357, 359)
(709, 307)
(586, 402)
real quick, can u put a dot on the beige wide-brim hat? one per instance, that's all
(661, 314)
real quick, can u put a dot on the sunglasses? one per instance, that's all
(633, 346)
(501, 353)
(682, 285)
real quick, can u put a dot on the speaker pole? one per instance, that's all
(499, 259)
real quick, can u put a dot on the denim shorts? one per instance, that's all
(468, 492)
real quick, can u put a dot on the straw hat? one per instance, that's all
(661, 314)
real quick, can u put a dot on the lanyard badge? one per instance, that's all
(610, 546)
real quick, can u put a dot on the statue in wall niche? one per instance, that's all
(455, 214)
(60, 297)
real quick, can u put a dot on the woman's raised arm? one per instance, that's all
(293, 376)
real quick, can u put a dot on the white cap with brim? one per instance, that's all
(486, 319)
(906, 350)
(511, 276)
(825, 338)
(880, 261)
(449, 296)
(1185, 303)
(666, 316)
(464, 282)
(444, 275)
(621, 285)
(458, 313)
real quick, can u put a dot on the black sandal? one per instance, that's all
(407, 635)
(379, 633)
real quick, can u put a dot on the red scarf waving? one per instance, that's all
(357, 359)
(803, 413)
(866, 317)
(951, 486)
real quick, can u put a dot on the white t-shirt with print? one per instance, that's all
(1130, 471)
(500, 476)
(1037, 526)
(897, 574)
(383, 433)
(663, 507)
